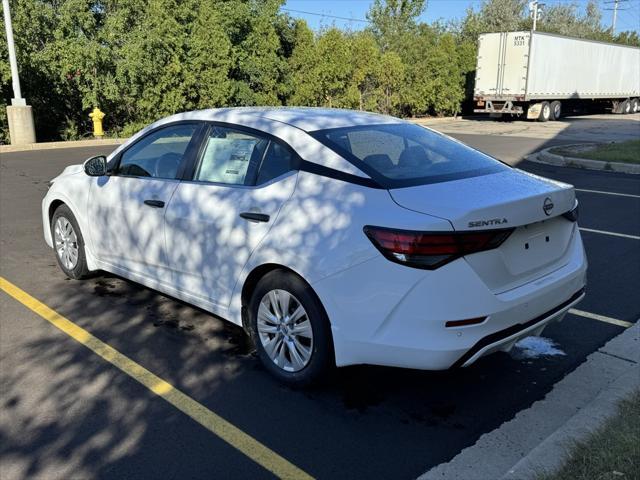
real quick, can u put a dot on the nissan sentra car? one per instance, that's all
(333, 237)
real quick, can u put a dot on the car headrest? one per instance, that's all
(413, 156)
(167, 165)
(380, 161)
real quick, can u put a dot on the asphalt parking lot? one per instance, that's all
(65, 412)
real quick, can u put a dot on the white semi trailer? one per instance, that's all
(538, 75)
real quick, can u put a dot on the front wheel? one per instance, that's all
(68, 243)
(290, 329)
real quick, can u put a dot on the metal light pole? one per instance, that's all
(19, 114)
(534, 8)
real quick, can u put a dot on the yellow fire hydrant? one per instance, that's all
(97, 115)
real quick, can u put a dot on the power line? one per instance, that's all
(325, 15)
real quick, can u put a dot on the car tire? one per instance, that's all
(68, 243)
(556, 110)
(545, 112)
(295, 352)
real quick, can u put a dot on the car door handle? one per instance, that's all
(256, 217)
(154, 203)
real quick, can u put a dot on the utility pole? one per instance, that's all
(614, 18)
(19, 114)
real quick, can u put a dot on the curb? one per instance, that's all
(545, 156)
(434, 120)
(538, 440)
(54, 145)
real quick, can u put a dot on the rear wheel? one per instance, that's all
(556, 110)
(290, 329)
(625, 108)
(635, 105)
(68, 243)
(545, 112)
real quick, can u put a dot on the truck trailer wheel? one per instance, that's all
(556, 110)
(625, 108)
(545, 112)
(634, 105)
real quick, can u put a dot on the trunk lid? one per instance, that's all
(532, 205)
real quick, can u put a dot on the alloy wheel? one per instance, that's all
(66, 243)
(285, 330)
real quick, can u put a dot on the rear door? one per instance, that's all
(215, 220)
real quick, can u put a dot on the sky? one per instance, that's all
(317, 11)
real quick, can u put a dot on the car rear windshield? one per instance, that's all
(402, 154)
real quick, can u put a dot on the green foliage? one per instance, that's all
(139, 60)
(392, 20)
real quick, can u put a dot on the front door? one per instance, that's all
(127, 207)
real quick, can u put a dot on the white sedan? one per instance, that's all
(333, 237)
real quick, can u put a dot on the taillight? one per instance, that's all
(431, 250)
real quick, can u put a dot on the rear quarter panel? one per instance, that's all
(319, 231)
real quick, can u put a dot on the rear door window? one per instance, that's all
(230, 156)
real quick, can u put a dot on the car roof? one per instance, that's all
(305, 118)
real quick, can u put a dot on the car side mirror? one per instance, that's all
(96, 166)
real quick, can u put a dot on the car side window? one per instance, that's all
(230, 156)
(158, 154)
(277, 161)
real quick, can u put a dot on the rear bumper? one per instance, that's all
(505, 339)
(382, 313)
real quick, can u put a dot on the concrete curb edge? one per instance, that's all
(538, 439)
(545, 156)
(550, 455)
(55, 145)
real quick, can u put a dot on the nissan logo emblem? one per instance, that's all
(547, 206)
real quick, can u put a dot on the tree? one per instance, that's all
(209, 59)
(333, 67)
(390, 78)
(152, 67)
(365, 69)
(139, 60)
(321, 69)
(393, 19)
(493, 16)
(302, 65)
(566, 19)
(258, 67)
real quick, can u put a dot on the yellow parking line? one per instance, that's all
(231, 434)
